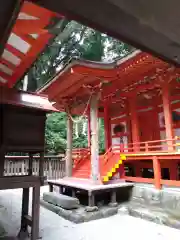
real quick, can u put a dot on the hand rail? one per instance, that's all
(81, 153)
(149, 146)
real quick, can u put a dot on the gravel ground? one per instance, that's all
(53, 227)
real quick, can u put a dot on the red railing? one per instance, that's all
(80, 154)
(153, 148)
(166, 145)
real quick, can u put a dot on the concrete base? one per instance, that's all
(167, 198)
(80, 215)
(159, 206)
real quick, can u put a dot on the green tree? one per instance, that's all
(55, 133)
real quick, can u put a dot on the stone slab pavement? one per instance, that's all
(53, 227)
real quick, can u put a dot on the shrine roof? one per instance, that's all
(76, 80)
(28, 37)
(25, 99)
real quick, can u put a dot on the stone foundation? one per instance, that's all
(159, 206)
(80, 215)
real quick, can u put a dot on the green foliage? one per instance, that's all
(56, 133)
(101, 136)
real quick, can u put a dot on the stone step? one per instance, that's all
(63, 201)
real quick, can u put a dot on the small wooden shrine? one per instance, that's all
(139, 99)
(22, 127)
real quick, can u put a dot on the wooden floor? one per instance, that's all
(87, 184)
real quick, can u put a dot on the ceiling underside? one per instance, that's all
(151, 26)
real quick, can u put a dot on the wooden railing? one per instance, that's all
(54, 166)
(80, 154)
(166, 145)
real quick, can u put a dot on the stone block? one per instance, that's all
(49, 206)
(138, 194)
(91, 209)
(152, 197)
(170, 201)
(90, 216)
(76, 218)
(107, 212)
(61, 200)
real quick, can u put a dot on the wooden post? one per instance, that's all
(35, 213)
(94, 138)
(2, 161)
(30, 165)
(157, 172)
(25, 209)
(89, 128)
(41, 167)
(138, 170)
(107, 127)
(122, 171)
(91, 199)
(167, 115)
(113, 202)
(69, 147)
(134, 123)
(128, 123)
(173, 170)
(156, 129)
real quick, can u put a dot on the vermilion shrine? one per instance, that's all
(139, 99)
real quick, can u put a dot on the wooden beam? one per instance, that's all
(12, 182)
(171, 183)
(139, 179)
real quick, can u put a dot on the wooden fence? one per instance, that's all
(54, 166)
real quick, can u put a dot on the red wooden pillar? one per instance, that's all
(157, 172)
(128, 123)
(167, 114)
(156, 128)
(173, 170)
(138, 170)
(134, 123)
(107, 127)
(122, 171)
